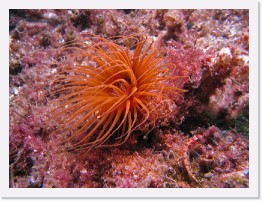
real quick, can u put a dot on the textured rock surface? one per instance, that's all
(203, 144)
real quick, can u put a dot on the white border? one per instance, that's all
(134, 4)
(251, 192)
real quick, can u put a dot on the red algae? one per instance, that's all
(202, 143)
(216, 155)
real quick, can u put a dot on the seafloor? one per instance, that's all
(203, 144)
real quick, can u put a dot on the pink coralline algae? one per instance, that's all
(213, 154)
(201, 143)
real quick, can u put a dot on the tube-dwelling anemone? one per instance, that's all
(120, 87)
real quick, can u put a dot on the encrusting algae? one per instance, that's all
(170, 139)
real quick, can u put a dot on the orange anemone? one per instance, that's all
(120, 87)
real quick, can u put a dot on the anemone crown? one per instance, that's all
(118, 89)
